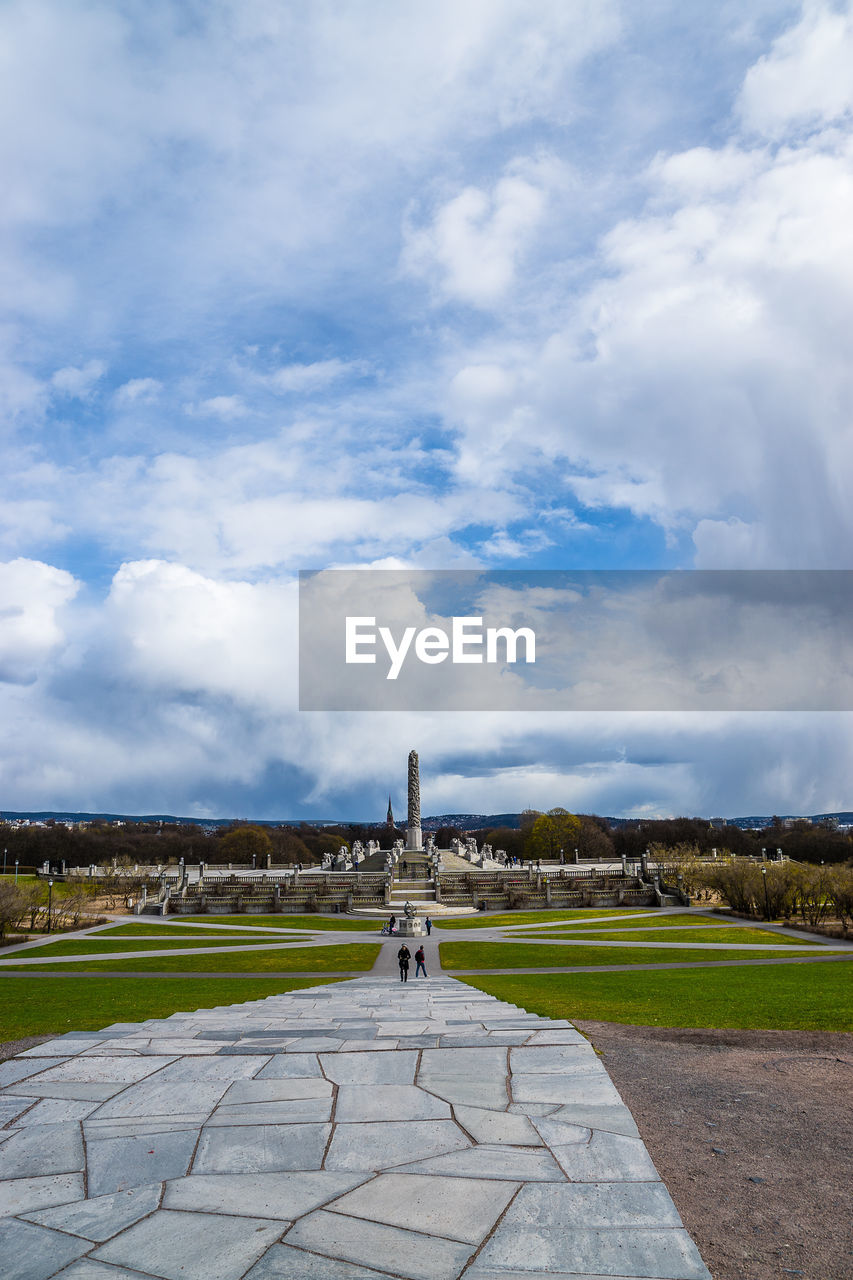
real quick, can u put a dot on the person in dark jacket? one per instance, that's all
(404, 955)
(420, 962)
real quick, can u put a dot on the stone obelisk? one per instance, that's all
(414, 839)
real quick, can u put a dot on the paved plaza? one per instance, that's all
(359, 1130)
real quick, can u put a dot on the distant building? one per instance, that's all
(389, 817)
(718, 823)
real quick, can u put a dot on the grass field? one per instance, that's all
(653, 920)
(730, 936)
(54, 1005)
(512, 955)
(343, 924)
(175, 931)
(815, 997)
(579, 914)
(90, 946)
(311, 959)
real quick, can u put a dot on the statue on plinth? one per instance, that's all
(409, 910)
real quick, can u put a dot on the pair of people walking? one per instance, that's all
(404, 955)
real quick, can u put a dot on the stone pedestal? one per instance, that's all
(414, 928)
(414, 838)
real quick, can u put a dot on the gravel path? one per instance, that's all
(752, 1132)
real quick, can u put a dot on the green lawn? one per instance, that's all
(485, 921)
(652, 921)
(521, 955)
(90, 946)
(175, 931)
(723, 935)
(348, 956)
(54, 1005)
(816, 997)
(343, 924)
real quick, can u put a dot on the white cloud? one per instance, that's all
(78, 383)
(804, 81)
(475, 239)
(138, 391)
(176, 630)
(306, 378)
(33, 596)
(225, 407)
(702, 380)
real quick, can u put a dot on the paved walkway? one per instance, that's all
(357, 1131)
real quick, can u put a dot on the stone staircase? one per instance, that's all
(414, 884)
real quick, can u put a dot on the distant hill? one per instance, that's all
(462, 821)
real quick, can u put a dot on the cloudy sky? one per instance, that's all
(474, 284)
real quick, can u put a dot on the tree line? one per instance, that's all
(539, 836)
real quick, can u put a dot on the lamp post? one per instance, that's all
(16, 871)
(766, 898)
(5, 851)
(49, 902)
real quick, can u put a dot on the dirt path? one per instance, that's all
(752, 1131)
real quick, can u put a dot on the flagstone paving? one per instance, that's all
(358, 1131)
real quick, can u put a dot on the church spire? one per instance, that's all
(389, 820)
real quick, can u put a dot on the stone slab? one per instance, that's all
(164, 1098)
(613, 1117)
(515, 1164)
(118, 1164)
(224, 1068)
(282, 1090)
(30, 1252)
(282, 1262)
(489, 1094)
(479, 1064)
(259, 1149)
(88, 1269)
(620, 1252)
(368, 1102)
(371, 1068)
(463, 1209)
(108, 1069)
(102, 1217)
(18, 1195)
(570, 1059)
(590, 1090)
(284, 1067)
(267, 1195)
(384, 1145)
(604, 1157)
(55, 1111)
(12, 1107)
(497, 1127)
(405, 1253)
(78, 1089)
(18, 1069)
(291, 1111)
(190, 1246)
(43, 1149)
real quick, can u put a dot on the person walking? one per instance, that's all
(391, 924)
(428, 924)
(404, 955)
(420, 962)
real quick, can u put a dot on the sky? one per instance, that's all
(482, 284)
